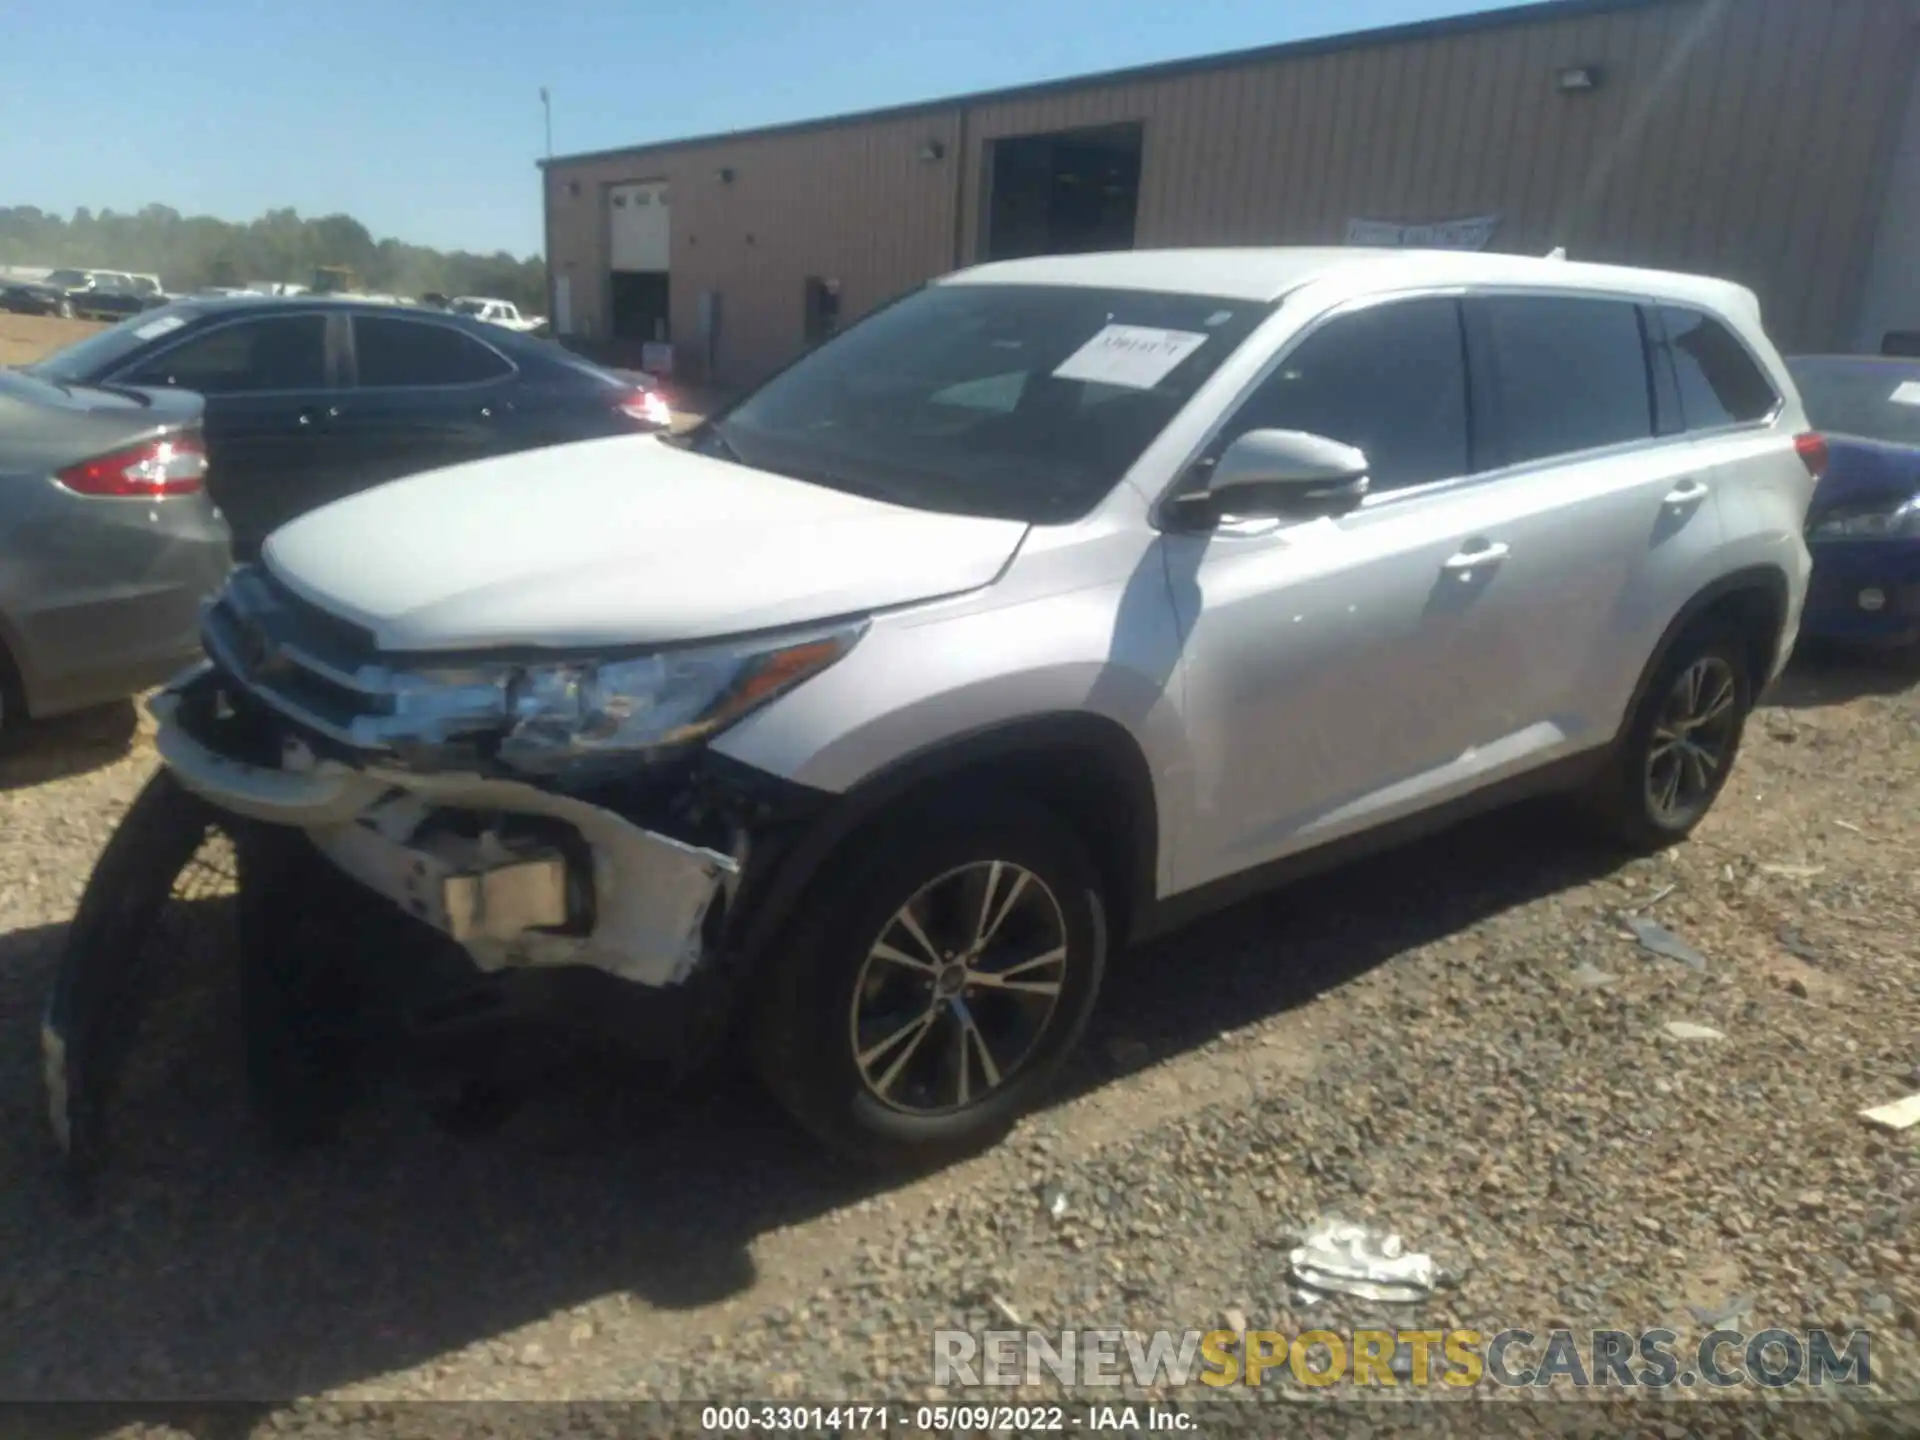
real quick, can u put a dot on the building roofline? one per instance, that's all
(1441, 28)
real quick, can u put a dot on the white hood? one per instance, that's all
(628, 541)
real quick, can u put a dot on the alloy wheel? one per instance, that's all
(958, 988)
(1692, 740)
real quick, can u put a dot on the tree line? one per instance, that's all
(191, 251)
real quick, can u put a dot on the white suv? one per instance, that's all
(1046, 606)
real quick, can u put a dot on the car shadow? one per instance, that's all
(37, 751)
(1820, 676)
(209, 1267)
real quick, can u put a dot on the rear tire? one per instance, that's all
(1671, 762)
(896, 1026)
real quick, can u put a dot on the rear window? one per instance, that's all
(105, 350)
(1720, 384)
(1871, 401)
(1567, 374)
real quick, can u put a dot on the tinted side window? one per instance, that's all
(1567, 374)
(1719, 382)
(412, 352)
(285, 352)
(1391, 379)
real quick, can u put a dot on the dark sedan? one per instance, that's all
(1864, 527)
(34, 297)
(309, 399)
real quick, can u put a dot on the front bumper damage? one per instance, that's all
(611, 916)
(637, 908)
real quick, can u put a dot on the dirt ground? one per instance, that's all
(1460, 1040)
(24, 338)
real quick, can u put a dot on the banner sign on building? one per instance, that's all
(1471, 234)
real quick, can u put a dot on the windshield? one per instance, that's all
(1019, 401)
(1873, 400)
(104, 349)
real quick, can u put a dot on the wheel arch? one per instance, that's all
(1753, 599)
(1083, 766)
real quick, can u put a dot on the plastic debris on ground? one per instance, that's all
(1337, 1257)
(1899, 1115)
(1687, 1030)
(1663, 942)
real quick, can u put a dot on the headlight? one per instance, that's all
(560, 715)
(1887, 520)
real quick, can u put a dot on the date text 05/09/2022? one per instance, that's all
(939, 1419)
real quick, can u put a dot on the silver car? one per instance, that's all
(109, 544)
(1042, 609)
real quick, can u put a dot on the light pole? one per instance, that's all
(546, 110)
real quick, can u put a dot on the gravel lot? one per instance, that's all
(1458, 1040)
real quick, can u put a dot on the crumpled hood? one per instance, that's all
(628, 541)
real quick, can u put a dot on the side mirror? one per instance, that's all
(1284, 472)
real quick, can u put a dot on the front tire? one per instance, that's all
(935, 983)
(1673, 759)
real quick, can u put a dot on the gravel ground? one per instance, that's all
(1459, 1040)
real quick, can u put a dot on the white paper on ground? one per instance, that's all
(1137, 357)
(1900, 1115)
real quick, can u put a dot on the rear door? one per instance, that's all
(271, 383)
(1606, 514)
(425, 395)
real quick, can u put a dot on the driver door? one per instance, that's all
(1330, 670)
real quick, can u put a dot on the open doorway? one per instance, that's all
(639, 247)
(1063, 193)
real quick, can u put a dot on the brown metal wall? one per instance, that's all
(1747, 138)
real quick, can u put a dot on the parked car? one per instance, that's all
(495, 312)
(34, 297)
(1042, 609)
(109, 543)
(1864, 528)
(311, 398)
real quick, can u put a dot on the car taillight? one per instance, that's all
(646, 406)
(174, 466)
(1812, 449)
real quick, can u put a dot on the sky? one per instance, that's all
(422, 118)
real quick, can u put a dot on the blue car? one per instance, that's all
(1864, 525)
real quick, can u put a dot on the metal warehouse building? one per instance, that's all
(1776, 142)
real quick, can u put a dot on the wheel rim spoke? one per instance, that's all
(918, 1029)
(886, 952)
(992, 918)
(906, 920)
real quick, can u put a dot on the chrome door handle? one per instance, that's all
(1464, 560)
(1687, 492)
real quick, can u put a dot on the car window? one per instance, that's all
(1872, 400)
(1390, 379)
(1719, 382)
(395, 352)
(1023, 401)
(1567, 374)
(280, 352)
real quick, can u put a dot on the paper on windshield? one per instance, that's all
(1135, 356)
(154, 329)
(1906, 393)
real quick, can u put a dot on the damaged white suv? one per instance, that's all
(1047, 605)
